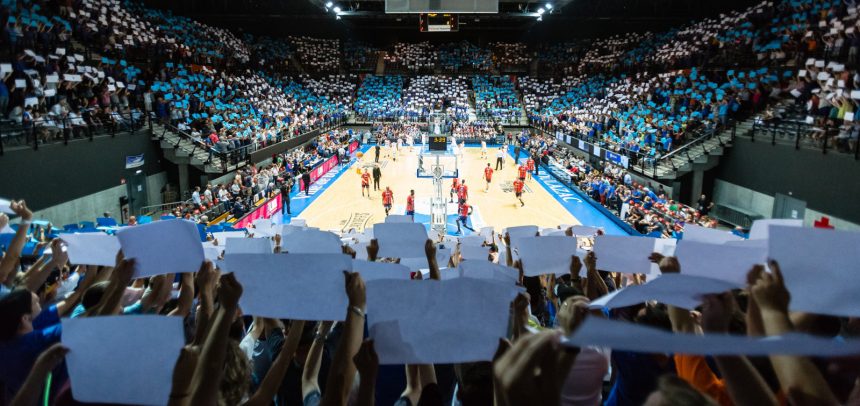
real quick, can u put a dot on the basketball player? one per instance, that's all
(455, 188)
(464, 212)
(522, 172)
(463, 192)
(365, 183)
(410, 204)
(518, 191)
(483, 149)
(488, 176)
(530, 164)
(387, 198)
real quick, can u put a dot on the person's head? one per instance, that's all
(674, 391)
(412, 192)
(17, 311)
(488, 164)
(237, 376)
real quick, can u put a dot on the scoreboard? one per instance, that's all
(438, 143)
(433, 22)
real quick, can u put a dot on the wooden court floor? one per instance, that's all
(341, 206)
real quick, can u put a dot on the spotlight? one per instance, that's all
(540, 11)
(329, 4)
(548, 6)
(336, 9)
(337, 18)
(540, 18)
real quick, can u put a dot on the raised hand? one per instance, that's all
(591, 261)
(769, 290)
(717, 311)
(20, 209)
(206, 277)
(531, 372)
(575, 266)
(366, 360)
(346, 249)
(372, 250)
(355, 289)
(229, 291)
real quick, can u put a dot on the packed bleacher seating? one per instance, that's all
(425, 94)
(359, 56)
(463, 56)
(317, 54)
(338, 89)
(496, 98)
(511, 56)
(379, 98)
(420, 57)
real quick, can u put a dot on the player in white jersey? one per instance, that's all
(483, 149)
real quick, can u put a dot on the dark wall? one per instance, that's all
(828, 183)
(58, 173)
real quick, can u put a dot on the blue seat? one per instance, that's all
(168, 217)
(71, 227)
(88, 224)
(106, 222)
(201, 229)
(144, 220)
(217, 228)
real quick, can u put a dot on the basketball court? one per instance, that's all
(338, 205)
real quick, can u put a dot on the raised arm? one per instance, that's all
(343, 370)
(798, 376)
(120, 277)
(207, 376)
(310, 374)
(741, 380)
(206, 280)
(367, 363)
(31, 390)
(430, 252)
(269, 386)
(186, 295)
(595, 287)
(13, 252)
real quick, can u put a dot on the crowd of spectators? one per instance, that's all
(463, 56)
(511, 55)
(426, 94)
(317, 54)
(379, 98)
(496, 98)
(418, 57)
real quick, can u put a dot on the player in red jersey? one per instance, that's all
(488, 176)
(464, 211)
(530, 164)
(518, 191)
(463, 191)
(521, 172)
(455, 188)
(365, 183)
(410, 204)
(387, 198)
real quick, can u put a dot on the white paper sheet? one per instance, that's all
(452, 321)
(309, 241)
(693, 232)
(372, 271)
(624, 254)
(142, 375)
(679, 290)
(91, 248)
(161, 247)
(263, 228)
(248, 246)
(819, 267)
(626, 336)
(292, 286)
(398, 218)
(759, 229)
(547, 255)
(474, 252)
(223, 236)
(5, 206)
(488, 270)
(400, 240)
(727, 262)
(584, 231)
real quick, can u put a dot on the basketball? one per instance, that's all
(359, 155)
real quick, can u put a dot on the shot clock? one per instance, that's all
(438, 143)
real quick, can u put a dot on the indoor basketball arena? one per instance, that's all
(429, 202)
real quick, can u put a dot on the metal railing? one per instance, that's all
(43, 131)
(801, 135)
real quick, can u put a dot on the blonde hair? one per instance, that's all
(237, 376)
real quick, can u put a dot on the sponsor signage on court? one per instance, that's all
(266, 210)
